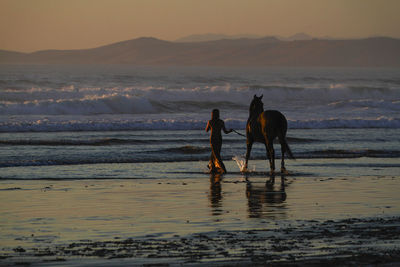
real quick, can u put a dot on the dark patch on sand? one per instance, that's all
(349, 242)
(10, 189)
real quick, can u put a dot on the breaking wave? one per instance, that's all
(158, 99)
(88, 105)
(98, 124)
(76, 98)
(381, 122)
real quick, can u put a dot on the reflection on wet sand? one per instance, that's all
(215, 195)
(268, 200)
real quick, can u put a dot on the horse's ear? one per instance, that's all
(255, 96)
(261, 97)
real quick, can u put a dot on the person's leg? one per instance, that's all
(217, 145)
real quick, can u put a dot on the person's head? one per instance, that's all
(215, 114)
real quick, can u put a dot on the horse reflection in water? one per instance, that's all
(268, 200)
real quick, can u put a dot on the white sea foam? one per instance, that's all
(91, 104)
(192, 122)
(240, 161)
(183, 98)
(380, 122)
(158, 100)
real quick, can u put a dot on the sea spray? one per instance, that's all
(241, 162)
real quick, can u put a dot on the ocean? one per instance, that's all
(55, 117)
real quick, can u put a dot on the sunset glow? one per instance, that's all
(46, 24)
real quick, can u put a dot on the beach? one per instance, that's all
(312, 218)
(107, 166)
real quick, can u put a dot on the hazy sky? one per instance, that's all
(30, 25)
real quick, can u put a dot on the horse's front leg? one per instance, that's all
(249, 146)
(283, 151)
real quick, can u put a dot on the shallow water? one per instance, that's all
(178, 202)
(54, 154)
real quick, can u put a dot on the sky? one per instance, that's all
(32, 25)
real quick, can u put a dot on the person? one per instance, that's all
(216, 125)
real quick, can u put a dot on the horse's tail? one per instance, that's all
(284, 143)
(287, 149)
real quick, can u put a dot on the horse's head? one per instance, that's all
(256, 106)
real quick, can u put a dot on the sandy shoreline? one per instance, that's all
(373, 241)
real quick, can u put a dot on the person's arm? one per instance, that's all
(224, 129)
(208, 126)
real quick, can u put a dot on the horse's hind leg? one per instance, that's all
(283, 151)
(282, 141)
(271, 156)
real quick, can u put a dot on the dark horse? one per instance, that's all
(264, 126)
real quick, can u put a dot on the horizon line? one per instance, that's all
(280, 38)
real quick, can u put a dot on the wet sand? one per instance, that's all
(196, 219)
(343, 242)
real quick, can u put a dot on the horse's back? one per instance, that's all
(273, 122)
(273, 117)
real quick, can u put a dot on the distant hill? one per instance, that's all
(214, 37)
(297, 36)
(268, 51)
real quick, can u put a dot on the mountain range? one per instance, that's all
(267, 51)
(216, 36)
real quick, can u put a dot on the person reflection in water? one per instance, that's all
(215, 195)
(216, 125)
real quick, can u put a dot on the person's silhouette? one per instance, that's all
(216, 125)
